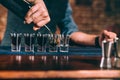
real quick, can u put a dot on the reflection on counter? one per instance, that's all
(25, 62)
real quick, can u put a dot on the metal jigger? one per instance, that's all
(117, 53)
(106, 55)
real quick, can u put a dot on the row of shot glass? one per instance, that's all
(42, 42)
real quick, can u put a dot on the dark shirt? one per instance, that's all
(60, 13)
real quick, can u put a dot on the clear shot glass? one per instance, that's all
(29, 40)
(42, 42)
(53, 43)
(40, 39)
(64, 43)
(106, 55)
(15, 42)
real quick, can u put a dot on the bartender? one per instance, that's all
(53, 13)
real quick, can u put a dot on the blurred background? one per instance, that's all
(91, 16)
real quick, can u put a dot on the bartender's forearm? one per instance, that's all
(83, 38)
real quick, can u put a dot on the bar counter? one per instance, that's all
(77, 63)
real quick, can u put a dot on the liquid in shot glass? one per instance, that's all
(15, 42)
(53, 43)
(64, 43)
(42, 42)
(29, 39)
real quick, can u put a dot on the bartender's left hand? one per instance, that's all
(38, 14)
(107, 35)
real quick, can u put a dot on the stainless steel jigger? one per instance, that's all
(106, 55)
(117, 53)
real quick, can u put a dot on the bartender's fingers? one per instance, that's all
(109, 36)
(38, 17)
(35, 28)
(42, 23)
(32, 10)
(37, 13)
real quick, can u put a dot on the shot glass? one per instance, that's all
(106, 62)
(53, 43)
(42, 41)
(117, 53)
(15, 42)
(64, 43)
(29, 39)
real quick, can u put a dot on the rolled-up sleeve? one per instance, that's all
(67, 24)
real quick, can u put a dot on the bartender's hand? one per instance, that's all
(107, 35)
(37, 14)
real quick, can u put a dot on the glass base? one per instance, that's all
(106, 63)
(117, 63)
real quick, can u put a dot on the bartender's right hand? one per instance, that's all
(37, 14)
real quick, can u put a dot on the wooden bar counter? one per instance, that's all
(54, 67)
